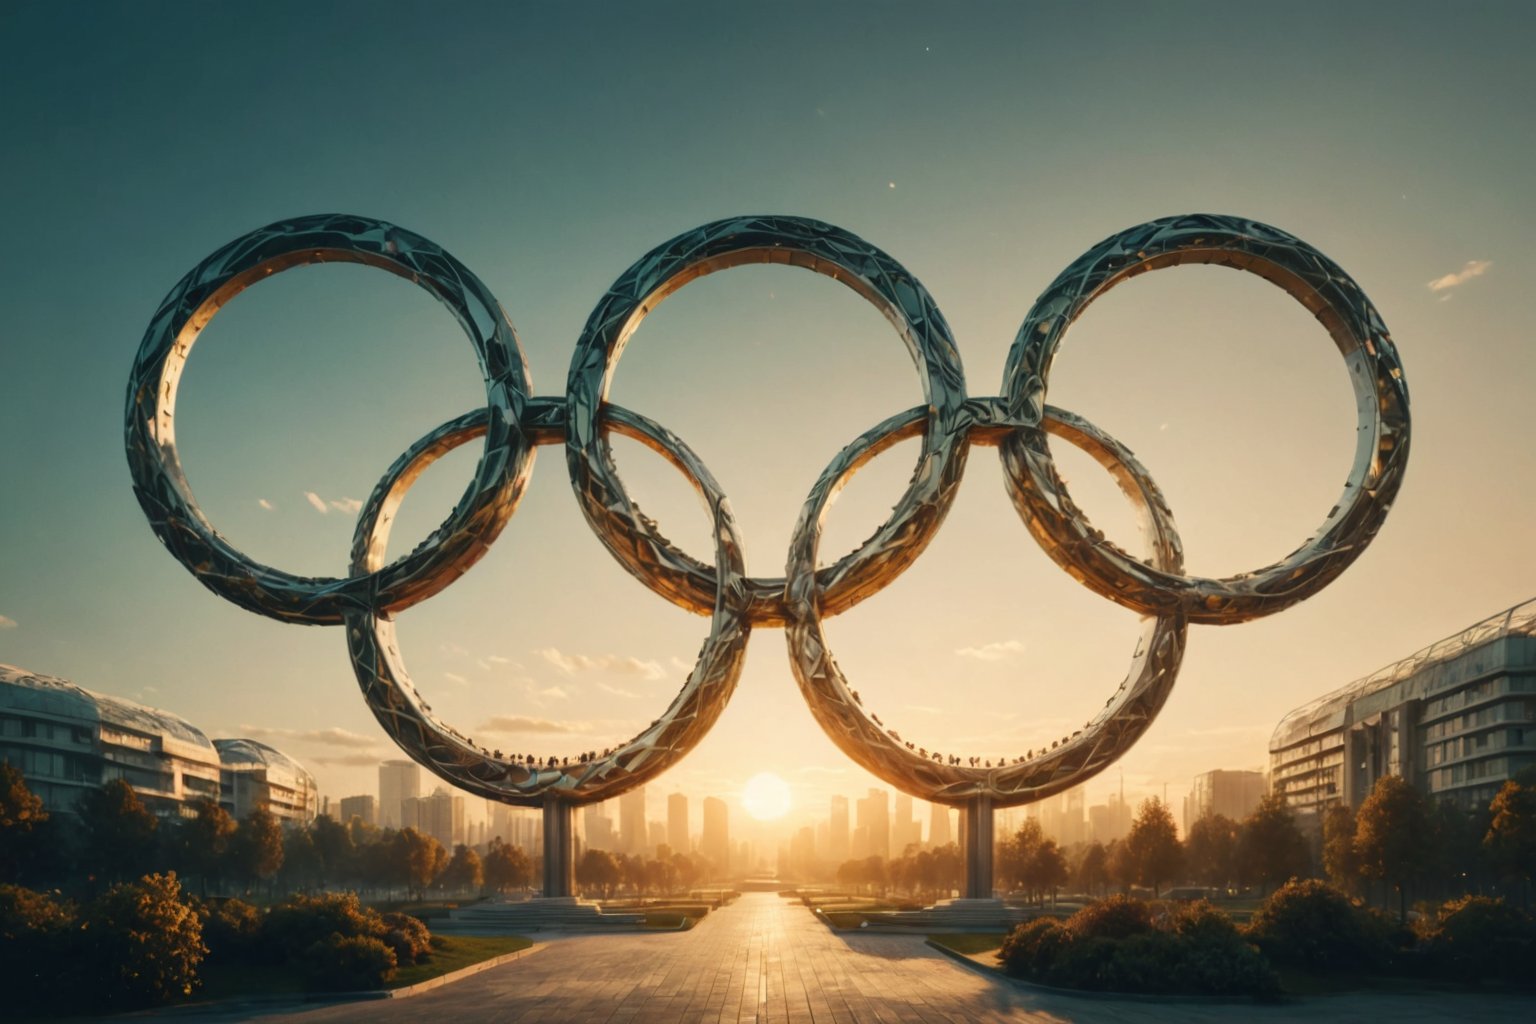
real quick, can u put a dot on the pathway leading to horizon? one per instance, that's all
(766, 959)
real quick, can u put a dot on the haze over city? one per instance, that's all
(550, 150)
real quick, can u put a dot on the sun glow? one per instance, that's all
(766, 796)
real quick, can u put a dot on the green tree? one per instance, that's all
(507, 867)
(464, 871)
(119, 833)
(598, 872)
(1153, 845)
(1393, 836)
(1270, 848)
(335, 847)
(1014, 854)
(1047, 870)
(1210, 850)
(1511, 839)
(1339, 859)
(142, 944)
(203, 842)
(301, 861)
(22, 818)
(256, 851)
(1093, 871)
(418, 859)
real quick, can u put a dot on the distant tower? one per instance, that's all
(938, 826)
(874, 818)
(677, 823)
(838, 845)
(633, 837)
(399, 781)
(716, 842)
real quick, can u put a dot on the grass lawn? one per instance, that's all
(449, 953)
(969, 943)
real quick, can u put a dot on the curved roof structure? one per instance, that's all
(50, 695)
(242, 753)
(1328, 711)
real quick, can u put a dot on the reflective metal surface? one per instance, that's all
(1017, 422)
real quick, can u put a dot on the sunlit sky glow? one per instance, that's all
(984, 146)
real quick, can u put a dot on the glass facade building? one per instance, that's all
(1456, 719)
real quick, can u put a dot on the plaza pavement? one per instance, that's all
(766, 959)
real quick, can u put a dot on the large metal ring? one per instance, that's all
(794, 241)
(913, 769)
(167, 499)
(457, 758)
(1381, 397)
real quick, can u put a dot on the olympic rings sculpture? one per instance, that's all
(513, 424)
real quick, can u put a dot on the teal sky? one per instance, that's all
(985, 146)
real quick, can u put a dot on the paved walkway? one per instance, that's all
(766, 959)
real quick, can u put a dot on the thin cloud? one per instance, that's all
(996, 651)
(331, 737)
(522, 724)
(617, 691)
(264, 503)
(554, 693)
(351, 506)
(6, 622)
(317, 502)
(350, 760)
(1474, 268)
(454, 677)
(621, 664)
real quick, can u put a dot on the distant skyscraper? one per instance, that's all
(398, 782)
(874, 816)
(363, 807)
(440, 816)
(632, 832)
(715, 844)
(599, 829)
(677, 823)
(938, 826)
(1232, 793)
(839, 847)
(905, 830)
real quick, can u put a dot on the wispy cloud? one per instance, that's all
(350, 506)
(617, 691)
(264, 503)
(6, 622)
(454, 677)
(1474, 268)
(332, 737)
(554, 693)
(522, 724)
(350, 760)
(621, 664)
(996, 651)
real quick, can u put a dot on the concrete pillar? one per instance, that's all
(976, 819)
(559, 848)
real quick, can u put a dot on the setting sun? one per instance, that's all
(766, 796)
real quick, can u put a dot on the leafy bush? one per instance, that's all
(34, 935)
(1118, 945)
(140, 944)
(231, 929)
(408, 937)
(1118, 917)
(293, 927)
(1310, 924)
(345, 964)
(1476, 938)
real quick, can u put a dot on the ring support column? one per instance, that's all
(559, 849)
(976, 819)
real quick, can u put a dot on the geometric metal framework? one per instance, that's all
(1018, 422)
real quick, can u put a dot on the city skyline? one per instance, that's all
(306, 388)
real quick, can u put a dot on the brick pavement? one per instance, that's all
(765, 959)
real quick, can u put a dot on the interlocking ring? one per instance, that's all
(513, 423)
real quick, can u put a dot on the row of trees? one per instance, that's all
(926, 874)
(603, 874)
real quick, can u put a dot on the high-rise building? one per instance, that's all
(839, 845)
(632, 831)
(1231, 793)
(677, 823)
(938, 826)
(398, 781)
(874, 817)
(715, 844)
(364, 807)
(1456, 719)
(439, 815)
(599, 829)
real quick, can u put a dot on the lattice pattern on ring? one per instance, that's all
(1018, 421)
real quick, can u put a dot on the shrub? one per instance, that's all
(344, 964)
(1118, 917)
(408, 937)
(1310, 924)
(34, 935)
(1476, 938)
(1031, 950)
(292, 928)
(140, 944)
(231, 929)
